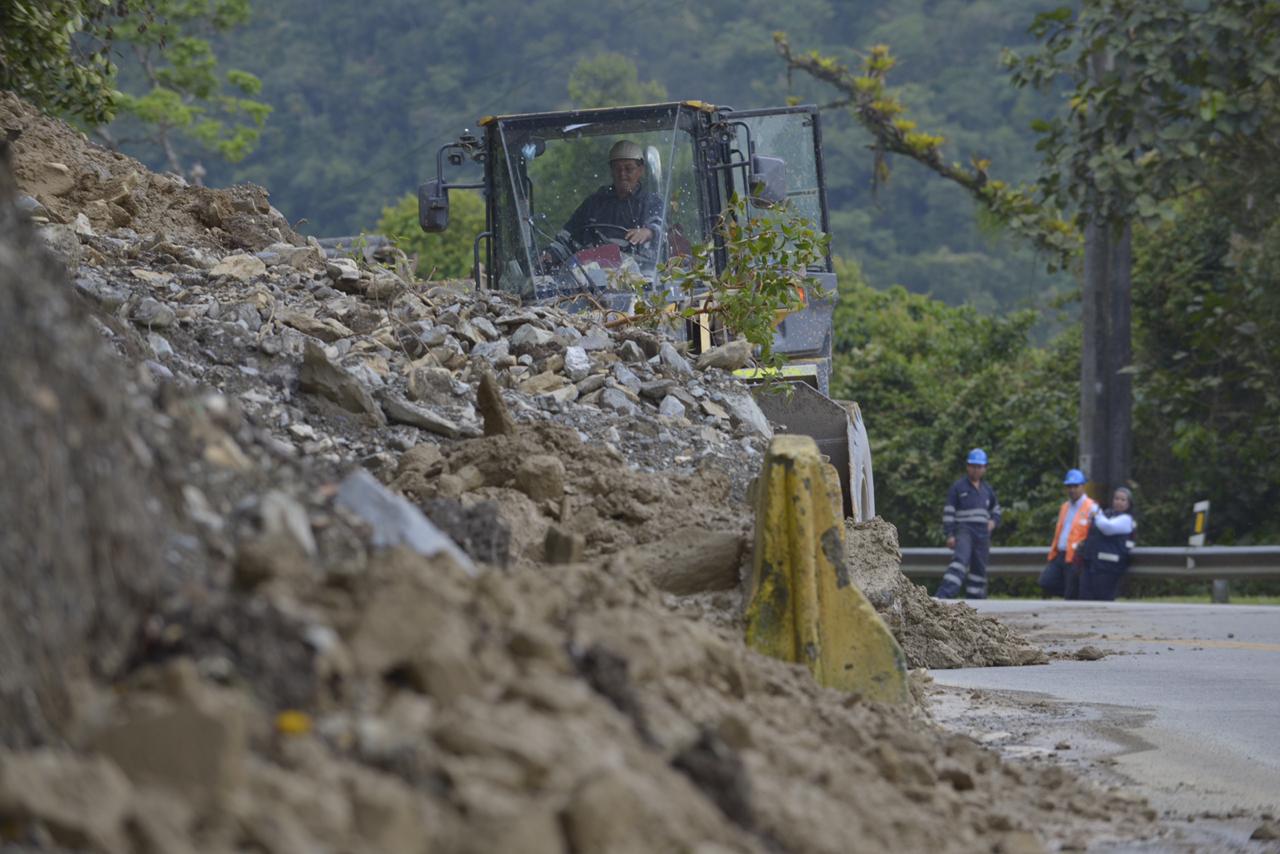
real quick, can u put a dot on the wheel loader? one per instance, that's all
(534, 171)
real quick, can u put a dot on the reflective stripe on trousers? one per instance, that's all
(972, 552)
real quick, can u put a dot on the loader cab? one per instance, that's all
(539, 168)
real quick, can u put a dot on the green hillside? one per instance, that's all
(364, 98)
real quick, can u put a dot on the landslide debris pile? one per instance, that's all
(932, 634)
(312, 557)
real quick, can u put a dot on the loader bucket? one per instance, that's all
(837, 427)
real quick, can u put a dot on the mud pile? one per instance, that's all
(933, 634)
(418, 570)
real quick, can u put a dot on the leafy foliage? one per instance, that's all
(766, 255)
(1207, 313)
(44, 58)
(187, 101)
(611, 80)
(934, 381)
(882, 114)
(446, 255)
(1160, 93)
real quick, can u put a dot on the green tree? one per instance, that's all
(1163, 97)
(189, 105)
(934, 381)
(1207, 330)
(447, 255)
(611, 80)
(56, 54)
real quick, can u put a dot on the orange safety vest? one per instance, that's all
(1079, 527)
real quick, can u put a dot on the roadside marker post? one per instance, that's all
(1220, 592)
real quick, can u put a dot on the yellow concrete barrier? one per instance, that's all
(803, 606)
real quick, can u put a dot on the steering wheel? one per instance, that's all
(620, 241)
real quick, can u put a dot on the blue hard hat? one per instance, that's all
(1074, 477)
(977, 457)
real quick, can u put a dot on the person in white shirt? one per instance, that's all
(1106, 551)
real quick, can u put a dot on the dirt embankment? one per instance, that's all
(307, 604)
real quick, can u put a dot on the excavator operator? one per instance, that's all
(622, 213)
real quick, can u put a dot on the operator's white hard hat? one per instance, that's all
(626, 150)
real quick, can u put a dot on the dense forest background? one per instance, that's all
(363, 98)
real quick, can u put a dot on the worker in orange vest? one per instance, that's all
(1061, 576)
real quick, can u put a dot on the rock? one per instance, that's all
(577, 364)
(281, 514)
(422, 636)
(479, 530)
(306, 258)
(153, 314)
(543, 383)
(561, 546)
(55, 179)
(82, 802)
(541, 477)
(517, 318)
(596, 339)
(529, 338)
(342, 271)
(62, 242)
(467, 331)
(486, 328)
(385, 286)
(95, 288)
(626, 377)
(690, 560)
(31, 206)
(745, 413)
(401, 411)
(556, 398)
(671, 407)
(1266, 831)
(267, 557)
(670, 358)
(393, 521)
(630, 351)
(193, 742)
(151, 277)
(497, 420)
(430, 384)
(729, 357)
(612, 398)
(492, 351)
(389, 816)
(714, 410)
(82, 227)
(657, 389)
(321, 376)
(241, 266)
(592, 383)
(160, 346)
(328, 329)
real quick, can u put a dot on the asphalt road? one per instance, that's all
(1185, 706)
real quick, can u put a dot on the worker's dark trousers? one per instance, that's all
(970, 557)
(1060, 578)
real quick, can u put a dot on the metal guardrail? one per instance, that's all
(1224, 563)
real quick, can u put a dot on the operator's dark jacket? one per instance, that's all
(641, 209)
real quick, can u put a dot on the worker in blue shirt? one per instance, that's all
(971, 514)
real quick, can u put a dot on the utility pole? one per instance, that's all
(1106, 387)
